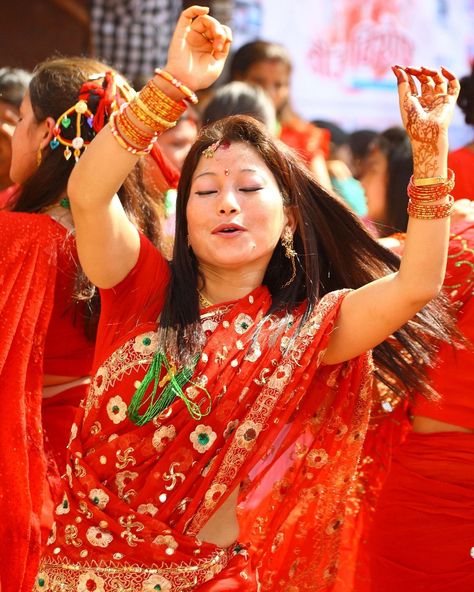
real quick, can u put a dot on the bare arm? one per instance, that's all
(372, 313)
(107, 242)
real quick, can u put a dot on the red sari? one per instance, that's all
(278, 422)
(412, 511)
(28, 244)
(41, 332)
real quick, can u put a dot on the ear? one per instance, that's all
(290, 218)
(47, 131)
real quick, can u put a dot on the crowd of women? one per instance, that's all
(214, 374)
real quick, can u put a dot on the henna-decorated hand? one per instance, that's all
(199, 48)
(426, 113)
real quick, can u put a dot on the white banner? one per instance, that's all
(342, 51)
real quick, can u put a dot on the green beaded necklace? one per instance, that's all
(159, 401)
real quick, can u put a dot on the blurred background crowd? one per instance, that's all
(332, 58)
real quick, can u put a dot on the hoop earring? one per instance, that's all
(39, 157)
(290, 253)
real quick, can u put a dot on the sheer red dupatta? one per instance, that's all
(282, 425)
(27, 277)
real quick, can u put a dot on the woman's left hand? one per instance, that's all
(199, 48)
(426, 113)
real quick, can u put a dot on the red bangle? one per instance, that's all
(189, 95)
(433, 192)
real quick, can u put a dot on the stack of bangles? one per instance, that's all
(424, 195)
(152, 108)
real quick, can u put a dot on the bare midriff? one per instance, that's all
(222, 528)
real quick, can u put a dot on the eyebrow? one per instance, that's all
(214, 174)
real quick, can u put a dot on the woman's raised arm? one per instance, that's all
(107, 242)
(372, 313)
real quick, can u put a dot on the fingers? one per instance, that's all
(431, 81)
(406, 84)
(187, 17)
(217, 35)
(453, 82)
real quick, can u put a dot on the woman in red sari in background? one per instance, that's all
(462, 159)
(421, 539)
(239, 372)
(49, 312)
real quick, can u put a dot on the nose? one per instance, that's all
(228, 203)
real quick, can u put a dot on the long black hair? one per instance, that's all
(334, 251)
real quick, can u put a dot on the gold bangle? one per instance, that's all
(131, 132)
(122, 141)
(424, 181)
(140, 109)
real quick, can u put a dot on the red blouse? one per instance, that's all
(117, 319)
(68, 352)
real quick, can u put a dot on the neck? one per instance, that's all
(222, 285)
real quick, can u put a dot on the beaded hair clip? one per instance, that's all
(111, 93)
(212, 149)
(64, 121)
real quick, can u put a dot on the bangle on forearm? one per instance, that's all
(155, 109)
(140, 109)
(126, 142)
(429, 211)
(189, 95)
(430, 192)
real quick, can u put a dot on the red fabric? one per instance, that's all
(8, 196)
(427, 491)
(462, 163)
(137, 497)
(307, 139)
(422, 538)
(68, 352)
(28, 244)
(453, 377)
(57, 416)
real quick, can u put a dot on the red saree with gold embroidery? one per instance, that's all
(282, 428)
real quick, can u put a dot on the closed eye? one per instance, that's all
(250, 189)
(210, 192)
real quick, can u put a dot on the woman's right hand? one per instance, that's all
(198, 49)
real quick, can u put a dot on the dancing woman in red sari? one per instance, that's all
(48, 313)
(239, 374)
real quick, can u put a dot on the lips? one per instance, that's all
(228, 229)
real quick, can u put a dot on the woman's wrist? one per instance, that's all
(168, 88)
(430, 160)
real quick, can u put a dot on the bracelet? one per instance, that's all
(123, 143)
(189, 95)
(422, 211)
(424, 181)
(128, 129)
(149, 117)
(151, 92)
(431, 192)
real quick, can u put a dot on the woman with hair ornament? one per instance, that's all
(232, 385)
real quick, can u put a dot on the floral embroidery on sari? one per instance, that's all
(139, 496)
